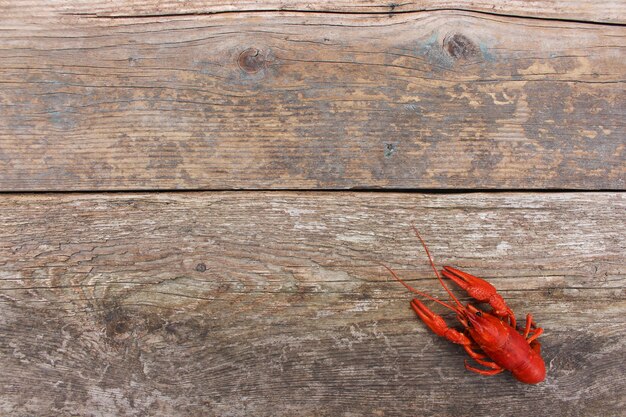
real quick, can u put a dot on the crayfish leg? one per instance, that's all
(529, 324)
(532, 332)
(486, 372)
(473, 354)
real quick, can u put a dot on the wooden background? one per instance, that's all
(196, 198)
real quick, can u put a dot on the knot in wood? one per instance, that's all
(251, 60)
(117, 323)
(460, 46)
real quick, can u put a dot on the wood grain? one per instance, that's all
(612, 11)
(270, 100)
(240, 303)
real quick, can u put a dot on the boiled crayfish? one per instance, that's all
(490, 338)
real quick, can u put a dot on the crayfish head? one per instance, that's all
(485, 329)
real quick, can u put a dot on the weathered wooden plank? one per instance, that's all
(275, 303)
(441, 99)
(613, 11)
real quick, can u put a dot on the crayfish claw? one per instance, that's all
(437, 324)
(480, 290)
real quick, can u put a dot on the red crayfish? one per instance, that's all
(490, 338)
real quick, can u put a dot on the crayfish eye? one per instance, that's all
(479, 314)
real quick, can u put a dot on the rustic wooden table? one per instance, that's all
(196, 199)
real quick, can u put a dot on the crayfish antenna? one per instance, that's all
(423, 294)
(432, 264)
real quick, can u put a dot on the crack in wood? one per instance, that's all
(390, 13)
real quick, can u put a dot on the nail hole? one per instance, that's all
(390, 149)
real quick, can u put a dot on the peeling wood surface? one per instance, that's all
(267, 100)
(241, 303)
